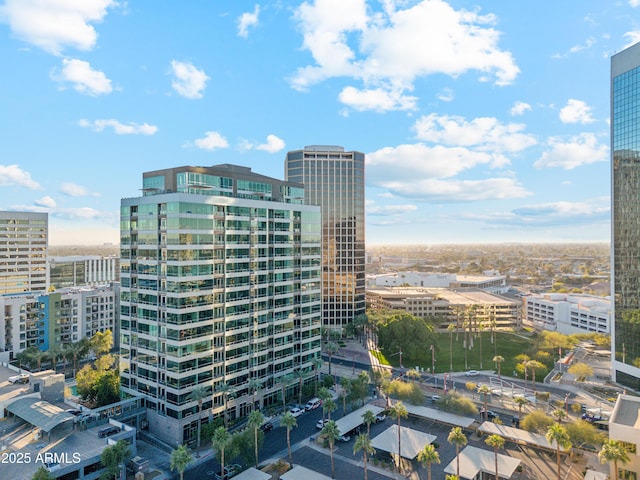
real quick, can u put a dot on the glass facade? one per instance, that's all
(334, 179)
(217, 290)
(625, 139)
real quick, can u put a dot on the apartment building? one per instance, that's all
(221, 289)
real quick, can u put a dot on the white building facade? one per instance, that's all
(568, 313)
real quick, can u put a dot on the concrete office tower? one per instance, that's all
(23, 252)
(625, 224)
(334, 179)
(220, 281)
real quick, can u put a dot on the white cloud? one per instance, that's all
(576, 111)
(246, 20)
(446, 95)
(390, 209)
(633, 38)
(210, 141)
(75, 190)
(85, 213)
(580, 150)
(189, 82)
(83, 78)
(273, 144)
(54, 24)
(46, 202)
(378, 99)
(589, 42)
(519, 108)
(13, 175)
(484, 133)
(119, 128)
(390, 50)
(634, 3)
(437, 190)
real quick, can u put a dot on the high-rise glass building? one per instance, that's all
(625, 224)
(23, 252)
(334, 179)
(220, 289)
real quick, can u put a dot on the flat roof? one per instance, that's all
(626, 411)
(301, 473)
(39, 413)
(411, 441)
(474, 460)
(354, 419)
(439, 416)
(253, 474)
(518, 436)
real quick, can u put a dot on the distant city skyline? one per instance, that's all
(481, 122)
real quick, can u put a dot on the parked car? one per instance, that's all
(313, 404)
(229, 471)
(265, 427)
(435, 398)
(472, 373)
(20, 378)
(108, 431)
(321, 423)
(296, 412)
(344, 438)
(380, 417)
(73, 411)
(52, 466)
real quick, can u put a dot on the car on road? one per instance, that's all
(380, 417)
(471, 373)
(265, 427)
(108, 431)
(321, 423)
(296, 412)
(492, 415)
(20, 378)
(313, 404)
(435, 398)
(229, 471)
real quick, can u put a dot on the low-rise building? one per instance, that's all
(568, 313)
(491, 281)
(624, 427)
(449, 306)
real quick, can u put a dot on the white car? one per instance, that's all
(296, 412)
(321, 423)
(21, 378)
(472, 373)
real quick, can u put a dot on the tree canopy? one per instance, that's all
(407, 333)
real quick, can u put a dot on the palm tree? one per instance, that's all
(523, 359)
(317, 364)
(300, 375)
(451, 328)
(559, 414)
(613, 451)
(329, 406)
(533, 365)
(368, 417)
(458, 439)
(55, 352)
(289, 421)
(220, 441)
(398, 412)
(427, 456)
(254, 385)
(331, 432)
(498, 359)
(284, 382)
(76, 351)
(346, 385)
(256, 419)
(497, 442)
(558, 434)
(180, 458)
(331, 348)
(485, 391)
(324, 394)
(363, 442)
(227, 391)
(521, 402)
(198, 394)
(480, 330)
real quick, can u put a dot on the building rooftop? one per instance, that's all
(627, 411)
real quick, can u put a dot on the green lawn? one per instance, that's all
(508, 345)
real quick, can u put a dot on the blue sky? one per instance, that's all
(484, 121)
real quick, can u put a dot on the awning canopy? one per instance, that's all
(439, 416)
(354, 419)
(302, 473)
(253, 474)
(411, 441)
(474, 460)
(518, 436)
(39, 413)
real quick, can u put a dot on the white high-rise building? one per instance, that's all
(221, 289)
